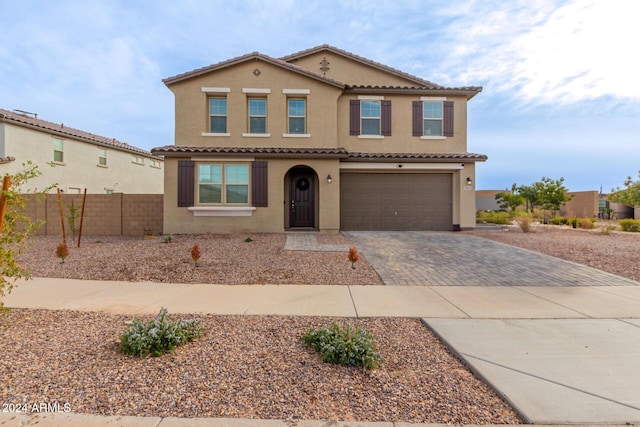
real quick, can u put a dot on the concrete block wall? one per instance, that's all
(104, 214)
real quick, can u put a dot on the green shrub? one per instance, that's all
(632, 225)
(159, 336)
(493, 217)
(347, 347)
(559, 220)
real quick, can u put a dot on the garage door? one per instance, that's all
(395, 201)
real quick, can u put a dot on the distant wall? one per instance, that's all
(104, 214)
(583, 205)
(486, 200)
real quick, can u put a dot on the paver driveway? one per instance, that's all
(429, 258)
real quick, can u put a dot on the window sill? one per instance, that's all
(222, 210)
(215, 134)
(256, 135)
(296, 135)
(433, 137)
(370, 137)
(138, 163)
(102, 166)
(58, 163)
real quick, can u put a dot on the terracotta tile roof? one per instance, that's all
(443, 157)
(250, 56)
(21, 119)
(7, 159)
(469, 90)
(252, 151)
(325, 47)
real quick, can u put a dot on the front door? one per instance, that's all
(302, 198)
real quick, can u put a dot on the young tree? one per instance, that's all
(510, 200)
(552, 194)
(630, 195)
(16, 230)
(531, 195)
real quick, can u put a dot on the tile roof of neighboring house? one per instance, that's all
(262, 151)
(248, 57)
(443, 157)
(60, 129)
(7, 159)
(325, 47)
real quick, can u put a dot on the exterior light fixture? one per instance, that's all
(329, 179)
(469, 180)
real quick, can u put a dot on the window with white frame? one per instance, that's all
(58, 150)
(258, 115)
(370, 117)
(297, 115)
(102, 157)
(138, 160)
(432, 115)
(218, 115)
(223, 183)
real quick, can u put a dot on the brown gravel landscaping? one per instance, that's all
(242, 367)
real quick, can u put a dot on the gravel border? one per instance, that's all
(242, 367)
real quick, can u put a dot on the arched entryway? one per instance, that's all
(302, 183)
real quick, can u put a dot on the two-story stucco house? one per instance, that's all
(320, 139)
(75, 160)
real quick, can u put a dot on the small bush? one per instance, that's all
(632, 225)
(526, 223)
(347, 347)
(587, 223)
(493, 217)
(559, 220)
(607, 229)
(168, 238)
(159, 336)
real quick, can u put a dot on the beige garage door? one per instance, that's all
(395, 201)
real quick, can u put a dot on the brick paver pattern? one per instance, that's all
(424, 258)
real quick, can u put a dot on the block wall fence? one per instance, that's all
(104, 214)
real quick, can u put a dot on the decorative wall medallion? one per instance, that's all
(324, 66)
(256, 72)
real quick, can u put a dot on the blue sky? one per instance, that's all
(561, 96)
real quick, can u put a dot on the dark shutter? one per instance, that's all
(186, 178)
(354, 117)
(417, 118)
(447, 125)
(259, 184)
(386, 117)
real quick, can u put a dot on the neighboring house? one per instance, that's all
(75, 159)
(320, 139)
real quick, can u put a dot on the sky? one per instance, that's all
(560, 95)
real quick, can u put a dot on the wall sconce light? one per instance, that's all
(329, 179)
(469, 180)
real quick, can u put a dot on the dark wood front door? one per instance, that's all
(302, 206)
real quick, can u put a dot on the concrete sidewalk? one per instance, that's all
(560, 355)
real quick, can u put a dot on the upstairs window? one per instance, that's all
(58, 151)
(432, 118)
(138, 160)
(218, 115)
(370, 115)
(257, 115)
(102, 157)
(296, 111)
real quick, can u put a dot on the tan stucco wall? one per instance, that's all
(269, 219)
(80, 169)
(192, 108)
(584, 205)
(467, 211)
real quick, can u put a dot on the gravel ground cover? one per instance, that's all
(226, 259)
(617, 253)
(242, 366)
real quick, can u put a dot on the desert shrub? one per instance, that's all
(158, 336)
(587, 223)
(632, 225)
(345, 346)
(559, 220)
(606, 229)
(493, 217)
(525, 222)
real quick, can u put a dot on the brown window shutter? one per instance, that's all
(386, 117)
(417, 118)
(447, 125)
(259, 184)
(354, 117)
(186, 185)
